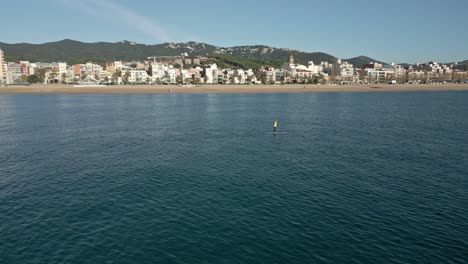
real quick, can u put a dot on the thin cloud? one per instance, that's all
(121, 14)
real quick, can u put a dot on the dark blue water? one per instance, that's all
(357, 178)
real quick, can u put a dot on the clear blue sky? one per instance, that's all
(392, 31)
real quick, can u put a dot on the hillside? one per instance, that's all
(67, 50)
(361, 60)
(275, 54)
(75, 51)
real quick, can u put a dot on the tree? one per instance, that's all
(115, 76)
(167, 77)
(179, 79)
(235, 77)
(34, 79)
(321, 79)
(315, 80)
(97, 77)
(41, 73)
(64, 77)
(287, 76)
(249, 79)
(127, 76)
(53, 74)
(263, 79)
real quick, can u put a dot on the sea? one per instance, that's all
(379, 177)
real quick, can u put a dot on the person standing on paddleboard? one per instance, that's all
(275, 125)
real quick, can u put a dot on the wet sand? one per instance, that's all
(233, 89)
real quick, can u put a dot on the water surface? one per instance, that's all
(357, 178)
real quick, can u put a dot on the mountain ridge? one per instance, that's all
(73, 50)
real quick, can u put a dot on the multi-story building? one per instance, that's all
(327, 68)
(346, 70)
(110, 67)
(2, 68)
(267, 75)
(376, 75)
(13, 72)
(372, 65)
(135, 76)
(62, 71)
(399, 72)
(211, 73)
(77, 71)
(118, 65)
(26, 68)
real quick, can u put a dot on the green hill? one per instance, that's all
(359, 61)
(67, 50)
(73, 51)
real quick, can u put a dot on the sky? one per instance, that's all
(390, 31)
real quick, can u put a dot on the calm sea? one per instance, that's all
(350, 178)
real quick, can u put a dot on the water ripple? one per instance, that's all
(358, 178)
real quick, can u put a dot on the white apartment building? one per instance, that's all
(376, 75)
(346, 69)
(2, 68)
(166, 73)
(211, 74)
(13, 72)
(118, 65)
(62, 68)
(135, 76)
(398, 71)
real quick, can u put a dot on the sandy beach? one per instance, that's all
(233, 89)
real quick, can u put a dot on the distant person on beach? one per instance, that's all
(275, 125)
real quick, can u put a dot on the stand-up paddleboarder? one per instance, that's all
(275, 125)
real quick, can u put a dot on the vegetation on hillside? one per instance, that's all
(228, 61)
(78, 52)
(359, 61)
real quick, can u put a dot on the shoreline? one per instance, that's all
(226, 89)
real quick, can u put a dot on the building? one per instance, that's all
(327, 68)
(346, 69)
(62, 71)
(399, 72)
(211, 74)
(77, 71)
(2, 68)
(118, 65)
(110, 67)
(271, 75)
(13, 72)
(376, 75)
(135, 76)
(372, 65)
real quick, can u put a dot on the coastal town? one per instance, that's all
(186, 70)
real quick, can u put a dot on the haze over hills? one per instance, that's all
(73, 51)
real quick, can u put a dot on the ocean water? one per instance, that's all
(351, 178)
